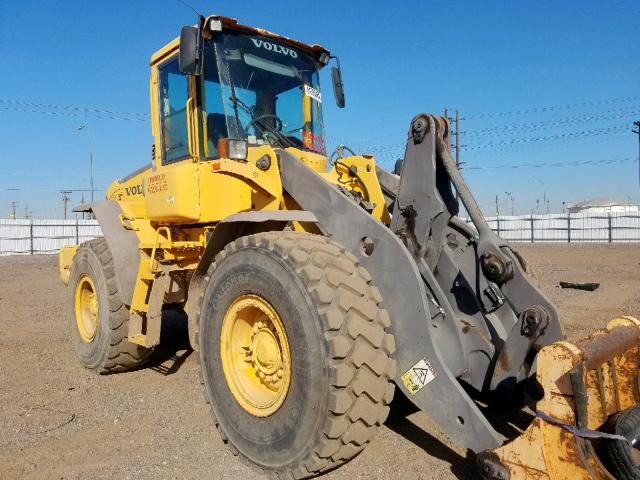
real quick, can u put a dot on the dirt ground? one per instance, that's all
(58, 420)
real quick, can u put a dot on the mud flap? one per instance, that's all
(584, 383)
(123, 243)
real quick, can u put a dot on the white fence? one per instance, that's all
(572, 228)
(20, 237)
(47, 236)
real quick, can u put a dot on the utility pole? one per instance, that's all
(26, 211)
(65, 200)
(637, 132)
(510, 195)
(13, 206)
(497, 207)
(88, 130)
(456, 145)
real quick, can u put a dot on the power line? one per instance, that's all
(576, 163)
(387, 152)
(543, 125)
(68, 108)
(517, 141)
(531, 149)
(550, 138)
(53, 190)
(544, 109)
(71, 114)
(553, 108)
(503, 130)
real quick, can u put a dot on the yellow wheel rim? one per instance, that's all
(86, 306)
(255, 355)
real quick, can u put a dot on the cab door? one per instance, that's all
(171, 189)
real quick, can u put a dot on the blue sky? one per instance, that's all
(502, 64)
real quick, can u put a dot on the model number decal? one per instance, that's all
(157, 183)
(274, 47)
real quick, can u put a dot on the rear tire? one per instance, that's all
(618, 455)
(100, 345)
(340, 355)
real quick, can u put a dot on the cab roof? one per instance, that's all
(229, 23)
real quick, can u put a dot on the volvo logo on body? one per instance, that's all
(274, 47)
(135, 190)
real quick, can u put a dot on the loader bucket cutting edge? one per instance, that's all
(584, 384)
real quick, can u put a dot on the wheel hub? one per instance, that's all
(86, 308)
(267, 357)
(255, 355)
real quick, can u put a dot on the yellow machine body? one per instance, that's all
(173, 208)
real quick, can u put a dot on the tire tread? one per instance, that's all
(121, 355)
(617, 452)
(358, 345)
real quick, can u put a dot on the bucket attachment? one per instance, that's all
(584, 384)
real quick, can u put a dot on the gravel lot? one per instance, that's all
(58, 420)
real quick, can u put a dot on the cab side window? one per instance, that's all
(174, 93)
(215, 118)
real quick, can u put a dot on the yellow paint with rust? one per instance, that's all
(546, 451)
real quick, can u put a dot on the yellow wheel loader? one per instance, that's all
(317, 284)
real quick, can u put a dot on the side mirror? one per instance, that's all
(190, 58)
(338, 86)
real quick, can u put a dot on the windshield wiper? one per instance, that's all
(280, 138)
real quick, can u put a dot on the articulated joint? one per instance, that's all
(496, 269)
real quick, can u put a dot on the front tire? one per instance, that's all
(98, 321)
(621, 459)
(333, 351)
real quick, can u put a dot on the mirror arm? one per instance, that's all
(199, 40)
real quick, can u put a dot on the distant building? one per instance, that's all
(602, 205)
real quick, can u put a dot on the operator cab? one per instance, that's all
(268, 93)
(225, 91)
(233, 87)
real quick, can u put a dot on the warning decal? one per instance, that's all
(418, 376)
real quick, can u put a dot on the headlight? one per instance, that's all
(238, 149)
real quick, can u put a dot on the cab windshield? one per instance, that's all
(270, 93)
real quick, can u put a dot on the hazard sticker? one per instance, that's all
(418, 376)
